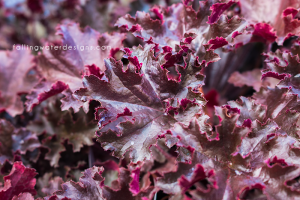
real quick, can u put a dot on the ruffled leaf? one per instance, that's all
(13, 140)
(279, 14)
(182, 25)
(60, 126)
(91, 186)
(20, 180)
(17, 76)
(139, 104)
(64, 62)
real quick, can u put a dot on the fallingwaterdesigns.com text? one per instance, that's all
(60, 47)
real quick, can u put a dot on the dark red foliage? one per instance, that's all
(149, 99)
(20, 180)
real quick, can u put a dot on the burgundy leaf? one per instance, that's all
(91, 186)
(252, 139)
(249, 110)
(20, 180)
(277, 173)
(284, 110)
(155, 103)
(16, 78)
(274, 13)
(13, 140)
(65, 65)
(205, 175)
(182, 21)
(23, 196)
(217, 10)
(60, 126)
(283, 66)
(49, 184)
(263, 33)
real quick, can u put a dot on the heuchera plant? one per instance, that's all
(191, 100)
